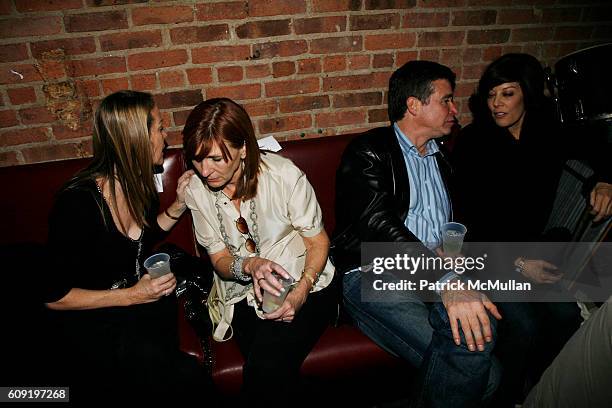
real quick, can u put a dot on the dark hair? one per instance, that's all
(522, 68)
(415, 79)
(222, 120)
(122, 151)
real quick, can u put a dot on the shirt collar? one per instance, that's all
(408, 147)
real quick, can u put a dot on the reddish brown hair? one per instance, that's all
(221, 121)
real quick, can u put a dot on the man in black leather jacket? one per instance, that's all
(391, 186)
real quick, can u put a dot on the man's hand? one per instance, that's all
(470, 307)
(540, 271)
(601, 201)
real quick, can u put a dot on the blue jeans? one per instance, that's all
(449, 375)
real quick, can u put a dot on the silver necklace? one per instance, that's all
(123, 283)
(255, 227)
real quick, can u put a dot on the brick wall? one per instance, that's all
(302, 68)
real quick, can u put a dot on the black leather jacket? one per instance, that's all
(373, 196)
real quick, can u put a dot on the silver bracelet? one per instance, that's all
(236, 269)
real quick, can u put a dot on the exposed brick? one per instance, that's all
(222, 11)
(336, 44)
(327, 119)
(449, 3)
(97, 66)
(389, 41)
(89, 88)
(199, 76)
(350, 82)
(107, 20)
(35, 115)
(334, 63)
(477, 18)
(260, 108)
(441, 38)
(149, 60)
(101, 3)
(23, 136)
(174, 138)
(24, 6)
(162, 15)
(428, 19)
(6, 7)
(531, 34)
(9, 158)
(258, 71)
(382, 60)
(378, 115)
(190, 35)
(488, 36)
(133, 39)
(359, 61)
(602, 32)
(19, 96)
(374, 22)
(309, 66)
(30, 26)
(283, 124)
(8, 118)
(206, 55)
(283, 68)
(238, 92)
(292, 87)
(536, 2)
(280, 49)
(259, 8)
(491, 53)
(388, 4)
(70, 46)
(171, 79)
(458, 56)
(179, 99)
(357, 99)
(331, 24)
(144, 82)
(405, 56)
(571, 33)
(46, 152)
(429, 55)
(465, 89)
(267, 28)
(304, 103)
(61, 132)
(229, 74)
(519, 16)
(13, 52)
(336, 5)
(113, 85)
(473, 71)
(180, 117)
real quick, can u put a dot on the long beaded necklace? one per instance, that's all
(122, 283)
(252, 216)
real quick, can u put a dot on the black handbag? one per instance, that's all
(194, 278)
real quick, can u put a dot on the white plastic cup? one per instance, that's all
(271, 302)
(452, 237)
(158, 265)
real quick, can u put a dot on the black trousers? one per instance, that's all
(274, 351)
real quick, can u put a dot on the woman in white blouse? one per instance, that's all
(257, 216)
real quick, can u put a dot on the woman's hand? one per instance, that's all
(151, 289)
(540, 271)
(601, 201)
(261, 270)
(292, 304)
(181, 185)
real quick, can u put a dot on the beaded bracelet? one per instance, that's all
(236, 269)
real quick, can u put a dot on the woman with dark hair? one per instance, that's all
(118, 324)
(257, 216)
(508, 163)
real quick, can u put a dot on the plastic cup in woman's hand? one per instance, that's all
(272, 302)
(157, 265)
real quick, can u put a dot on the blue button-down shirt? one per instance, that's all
(430, 207)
